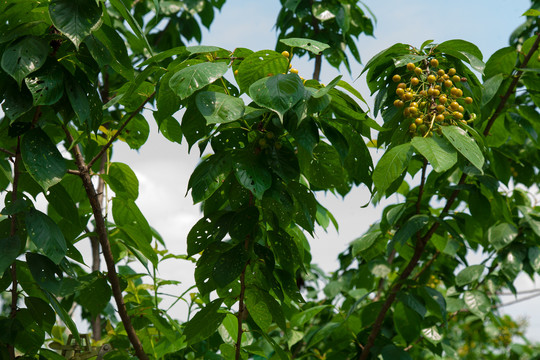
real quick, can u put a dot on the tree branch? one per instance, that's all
(6, 151)
(241, 306)
(118, 132)
(101, 230)
(512, 86)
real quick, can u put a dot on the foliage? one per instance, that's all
(461, 151)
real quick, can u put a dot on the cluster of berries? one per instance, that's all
(431, 97)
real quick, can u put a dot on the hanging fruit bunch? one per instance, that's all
(431, 97)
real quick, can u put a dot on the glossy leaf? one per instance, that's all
(251, 173)
(122, 181)
(46, 85)
(278, 93)
(229, 265)
(469, 274)
(477, 302)
(95, 295)
(438, 151)
(316, 47)
(208, 176)
(46, 235)
(206, 231)
(219, 108)
(259, 65)
(464, 144)
(391, 166)
(10, 248)
(42, 159)
(285, 250)
(192, 78)
(501, 235)
(204, 323)
(407, 322)
(23, 57)
(76, 19)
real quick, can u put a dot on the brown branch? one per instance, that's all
(13, 232)
(103, 236)
(318, 58)
(74, 172)
(6, 151)
(512, 86)
(241, 306)
(119, 131)
(427, 265)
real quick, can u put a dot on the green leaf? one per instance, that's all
(477, 302)
(491, 87)
(432, 335)
(324, 170)
(95, 295)
(324, 90)
(259, 65)
(42, 159)
(209, 176)
(251, 172)
(501, 235)
(60, 200)
(531, 12)
(502, 62)
(78, 99)
(464, 144)
(76, 19)
(47, 274)
(469, 275)
(534, 257)
(414, 224)
(391, 166)
(364, 242)
(438, 151)
(126, 14)
(171, 129)
(285, 250)
(392, 352)
(136, 132)
(465, 51)
(206, 231)
(219, 108)
(46, 235)
(63, 315)
(316, 47)
(407, 322)
(10, 248)
(258, 310)
(192, 78)
(41, 312)
(204, 323)
(23, 57)
(230, 265)
(122, 181)
(278, 93)
(46, 85)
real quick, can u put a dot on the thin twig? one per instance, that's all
(119, 131)
(517, 301)
(103, 236)
(74, 172)
(6, 151)
(241, 306)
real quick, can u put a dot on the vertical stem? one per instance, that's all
(241, 305)
(318, 58)
(13, 232)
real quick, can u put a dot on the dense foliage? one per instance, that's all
(460, 140)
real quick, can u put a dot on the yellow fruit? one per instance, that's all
(442, 99)
(236, 72)
(415, 81)
(419, 121)
(411, 66)
(294, 71)
(454, 105)
(434, 62)
(418, 71)
(452, 72)
(456, 78)
(412, 127)
(400, 91)
(408, 96)
(448, 83)
(402, 85)
(439, 118)
(468, 100)
(398, 103)
(440, 72)
(396, 78)
(431, 79)
(285, 53)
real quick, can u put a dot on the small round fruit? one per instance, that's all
(402, 85)
(430, 91)
(434, 62)
(423, 93)
(468, 100)
(454, 105)
(262, 143)
(406, 112)
(431, 79)
(452, 72)
(463, 79)
(418, 71)
(400, 91)
(461, 109)
(415, 81)
(456, 78)
(455, 92)
(412, 127)
(457, 115)
(408, 96)
(418, 121)
(269, 135)
(396, 78)
(411, 66)
(423, 128)
(285, 53)
(236, 72)
(439, 118)
(443, 99)
(398, 103)
(278, 145)
(440, 72)
(294, 71)
(448, 83)
(413, 110)
(413, 104)
(436, 92)
(440, 108)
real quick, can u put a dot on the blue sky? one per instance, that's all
(249, 23)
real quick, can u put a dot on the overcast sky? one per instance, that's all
(163, 168)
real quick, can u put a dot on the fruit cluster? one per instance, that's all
(431, 97)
